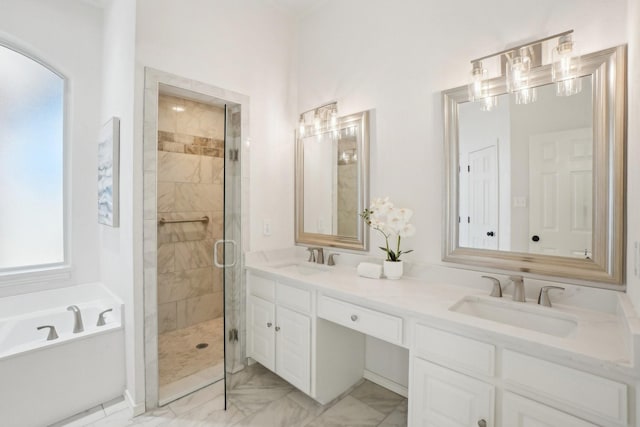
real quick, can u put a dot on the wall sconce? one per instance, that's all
(516, 64)
(565, 70)
(318, 120)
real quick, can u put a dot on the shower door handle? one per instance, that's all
(215, 253)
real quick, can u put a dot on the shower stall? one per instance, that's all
(192, 239)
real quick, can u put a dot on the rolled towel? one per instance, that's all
(368, 269)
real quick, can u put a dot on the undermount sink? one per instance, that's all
(517, 314)
(303, 268)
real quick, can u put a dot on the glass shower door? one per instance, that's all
(231, 243)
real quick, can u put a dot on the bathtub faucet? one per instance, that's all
(77, 326)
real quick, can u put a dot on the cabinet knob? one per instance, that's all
(482, 423)
(269, 324)
(490, 233)
(277, 328)
(354, 317)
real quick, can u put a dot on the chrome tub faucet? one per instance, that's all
(77, 325)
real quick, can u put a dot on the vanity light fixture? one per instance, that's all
(565, 70)
(323, 119)
(516, 64)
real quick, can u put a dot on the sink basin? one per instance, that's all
(305, 269)
(517, 314)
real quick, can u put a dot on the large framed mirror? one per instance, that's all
(332, 184)
(539, 187)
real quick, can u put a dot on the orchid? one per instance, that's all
(385, 218)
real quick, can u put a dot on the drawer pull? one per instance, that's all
(354, 317)
(269, 324)
(482, 423)
(277, 328)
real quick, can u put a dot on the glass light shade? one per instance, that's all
(301, 125)
(527, 95)
(518, 68)
(566, 67)
(488, 103)
(477, 86)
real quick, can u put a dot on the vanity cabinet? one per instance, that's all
(278, 336)
(518, 411)
(455, 378)
(442, 397)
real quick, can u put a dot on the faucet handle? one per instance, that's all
(53, 335)
(543, 298)
(497, 289)
(312, 254)
(330, 260)
(101, 321)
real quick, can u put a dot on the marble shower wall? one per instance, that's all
(190, 185)
(347, 190)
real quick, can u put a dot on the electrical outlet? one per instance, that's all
(266, 227)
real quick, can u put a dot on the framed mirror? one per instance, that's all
(332, 184)
(539, 187)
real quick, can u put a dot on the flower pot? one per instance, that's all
(393, 269)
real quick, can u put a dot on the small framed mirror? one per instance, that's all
(332, 184)
(539, 187)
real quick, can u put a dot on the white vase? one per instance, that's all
(393, 269)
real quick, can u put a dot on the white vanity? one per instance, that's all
(561, 366)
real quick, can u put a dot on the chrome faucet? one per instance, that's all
(319, 258)
(518, 288)
(77, 325)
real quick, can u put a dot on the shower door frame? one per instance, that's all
(233, 292)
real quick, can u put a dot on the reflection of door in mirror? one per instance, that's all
(483, 198)
(542, 164)
(560, 181)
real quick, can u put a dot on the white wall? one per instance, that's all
(247, 47)
(398, 57)
(67, 34)
(117, 244)
(633, 151)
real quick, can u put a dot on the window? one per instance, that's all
(32, 234)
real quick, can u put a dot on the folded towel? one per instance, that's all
(368, 269)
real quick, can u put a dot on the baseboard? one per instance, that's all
(386, 383)
(136, 408)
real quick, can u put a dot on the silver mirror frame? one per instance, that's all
(608, 71)
(361, 241)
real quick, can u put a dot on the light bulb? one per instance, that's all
(477, 88)
(566, 67)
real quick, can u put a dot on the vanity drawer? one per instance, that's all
(294, 298)
(260, 287)
(370, 322)
(589, 393)
(454, 351)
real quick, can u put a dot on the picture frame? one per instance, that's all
(109, 173)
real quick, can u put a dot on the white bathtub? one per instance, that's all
(42, 381)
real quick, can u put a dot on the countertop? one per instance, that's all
(601, 340)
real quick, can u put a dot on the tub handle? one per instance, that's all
(101, 321)
(53, 335)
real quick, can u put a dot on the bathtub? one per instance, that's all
(42, 382)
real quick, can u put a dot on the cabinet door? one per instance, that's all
(293, 343)
(518, 411)
(443, 398)
(261, 325)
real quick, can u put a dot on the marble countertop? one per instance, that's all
(602, 340)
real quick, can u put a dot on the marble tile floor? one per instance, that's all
(259, 398)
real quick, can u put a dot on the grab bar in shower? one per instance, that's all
(162, 221)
